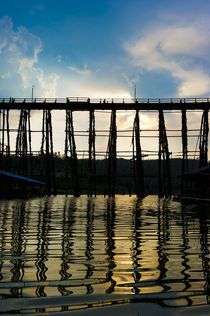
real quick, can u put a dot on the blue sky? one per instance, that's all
(103, 48)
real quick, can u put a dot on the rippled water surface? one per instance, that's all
(62, 254)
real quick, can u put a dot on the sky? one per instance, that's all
(104, 49)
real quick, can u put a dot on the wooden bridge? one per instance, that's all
(71, 104)
(87, 104)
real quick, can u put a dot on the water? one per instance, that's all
(91, 255)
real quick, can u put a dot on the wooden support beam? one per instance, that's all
(23, 144)
(112, 155)
(47, 152)
(137, 158)
(71, 154)
(163, 159)
(203, 145)
(184, 150)
(3, 132)
(5, 160)
(8, 158)
(92, 156)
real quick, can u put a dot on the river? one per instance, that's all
(104, 256)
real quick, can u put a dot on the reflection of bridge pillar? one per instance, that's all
(47, 151)
(67, 246)
(44, 217)
(3, 233)
(89, 243)
(204, 247)
(137, 158)
(5, 163)
(70, 148)
(23, 143)
(112, 155)
(164, 167)
(136, 251)
(185, 249)
(18, 245)
(163, 238)
(184, 150)
(110, 244)
(92, 156)
(203, 146)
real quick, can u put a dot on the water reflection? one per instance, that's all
(109, 219)
(163, 231)
(205, 252)
(89, 243)
(146, 250)
(67, 244)
(136, 245)
(184, 250)
(18, 247)
(44, 216)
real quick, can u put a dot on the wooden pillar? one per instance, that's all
(23, 144)
(92, 156)
(184, 150)
(112, 155)
(71, 154)
(5, 161)
(47, 152)
(163, 161)
(8, 161)
(137, 158)
(203, 145)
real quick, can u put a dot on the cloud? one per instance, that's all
(131, 81)
(6, 29)
(91, 86)
(59, 59)
(181, 50)
(84, 71)
(19, 52)
(5, 75)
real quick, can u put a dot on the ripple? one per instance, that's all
(81, 253)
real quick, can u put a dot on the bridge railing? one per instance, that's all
(105, 100)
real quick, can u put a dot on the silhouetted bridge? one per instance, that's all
(71, 104)
(87, 104)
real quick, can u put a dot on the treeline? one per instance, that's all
(125, 181)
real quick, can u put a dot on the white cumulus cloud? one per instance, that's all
(180, 49)
(19, 52)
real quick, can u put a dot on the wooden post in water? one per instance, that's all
(203, 145)
(163, 166)
(184, 150)
(47, 151)
(92, 155)
(23, 144)
(137, 158)
(70, 148)
(112, 155)
(8, 160)
(5, 160)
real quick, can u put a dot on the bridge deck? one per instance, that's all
(86, 104)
